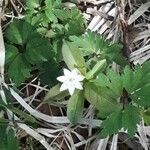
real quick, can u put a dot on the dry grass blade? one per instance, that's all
(139, 12)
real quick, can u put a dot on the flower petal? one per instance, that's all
(77, 75)
(71, 89)
(78, 85)
(62, 78)
(63, 87)
(67, 73)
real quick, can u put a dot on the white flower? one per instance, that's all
(71, 80)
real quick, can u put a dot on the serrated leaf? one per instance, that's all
(55, 94)
(75, 106)
(100, 98)
(73, 57)
(19, 69)
(115, 82)
(102, 80)
(112, 124)
(130, 119)
(142, 96)
(131, 79)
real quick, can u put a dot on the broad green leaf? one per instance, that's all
(38, 50)
(75, 106)
(11, 53)
(55, 94)
(19, 32)
(112, 124)
(48, 72)
(99, 67)
(130, 119)
(100, 98)
(72, 57)
(19, 69)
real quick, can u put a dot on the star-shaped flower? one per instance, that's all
(71, 80)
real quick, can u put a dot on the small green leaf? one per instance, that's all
(75, 107)
(55, 94)
(73, 57)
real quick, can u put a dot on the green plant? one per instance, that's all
(119, 97)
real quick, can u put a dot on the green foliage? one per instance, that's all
(75, 106)
(52, 37)
(55, 94)
(72, 57)
(99, 97)
(126, 119)
(25, 48)
(8, 138)
(93, 43)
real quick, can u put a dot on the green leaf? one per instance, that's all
(142, 96)
(12, 141)
(32, 4)
(48, 72)
(130, 119)
(19, 32)
(75, 106)
(146, 116)
(91, 43)
(22, 114)
(112, 124)
(19, 69)
(99, 67)
(115, 82)
(38, 50)
(102, 80)
(72, 57)
(55, 94)
(11, 53)
(131, 79)
(8, 139)
(100, 98)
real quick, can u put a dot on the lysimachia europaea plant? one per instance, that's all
(120, 98)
